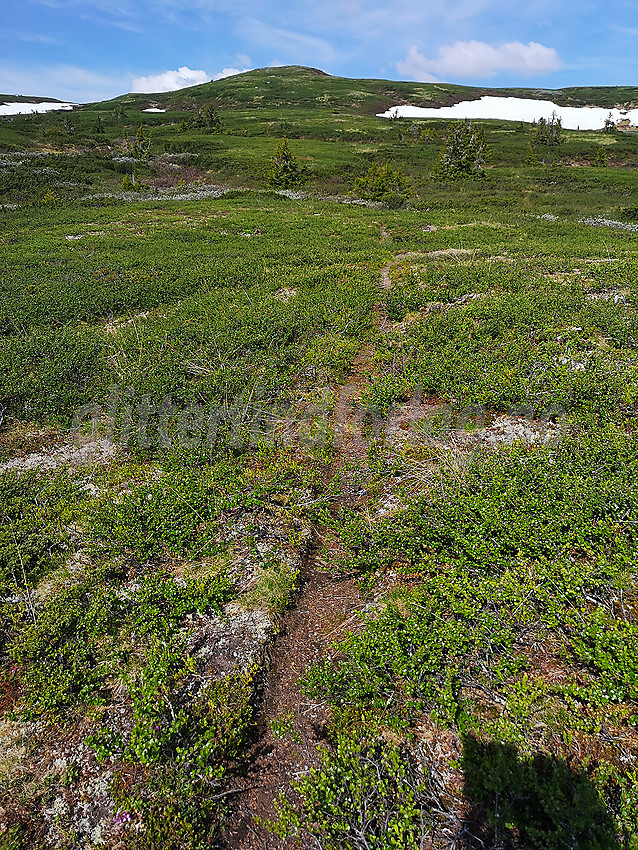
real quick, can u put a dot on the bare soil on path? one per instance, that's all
(325, 606)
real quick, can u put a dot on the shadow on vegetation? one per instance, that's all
(537, 804)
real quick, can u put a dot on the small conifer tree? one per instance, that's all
(206, 118)
(140, 146)
(531, 157)
(464, 153)
(49, 199)
(547, 134)
(209, 119)
(132, 184)
(610, 124)
(285, 172)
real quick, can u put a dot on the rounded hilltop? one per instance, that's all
(297, 86)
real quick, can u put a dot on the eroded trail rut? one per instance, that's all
(324, 608)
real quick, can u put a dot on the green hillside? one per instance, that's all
(294, 86)
(332, 122)
(318, 464)
(23, 98)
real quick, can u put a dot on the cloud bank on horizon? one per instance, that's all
(85, 50)
(180, 79)
(476, 60)
(169, 80)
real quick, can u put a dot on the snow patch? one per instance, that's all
(29, 108)
(518, 109)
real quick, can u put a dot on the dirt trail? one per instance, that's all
(325, 606)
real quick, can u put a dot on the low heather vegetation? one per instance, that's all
(368, 359)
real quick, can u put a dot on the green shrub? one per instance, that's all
(382, 182)
(140, 145)
(15, 838)
(185, 753)
(49, 199)
(367, 793)
(58, 654)
(610, 124)
(285, 172)
(537, 802)
(525, 553)
(464, 153)
(175, 515)
(132, 184)
(510, 347)
(49, 372)
(206, 118)
(547, 134)
(32, 533)
(67, 654)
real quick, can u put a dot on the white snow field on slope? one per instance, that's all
(28, 108)
(518, 109)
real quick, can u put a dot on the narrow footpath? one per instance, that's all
(324, 607)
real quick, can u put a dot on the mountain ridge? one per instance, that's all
(293, 85)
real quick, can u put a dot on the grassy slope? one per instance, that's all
(509, 633)
(298, 86)
(264, 95)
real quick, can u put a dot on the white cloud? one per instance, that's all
(65, 82)
(77, 85)
(170, 80)
(478, 59)
(229, 72)
(415, 67)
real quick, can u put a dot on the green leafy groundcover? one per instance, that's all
(512, 619)
(34, 529)
(513, 626)
(103, 636)
(179, 740)
(82, 632)
(365, 794)
(548, 347)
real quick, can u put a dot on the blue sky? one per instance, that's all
(85, 50)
